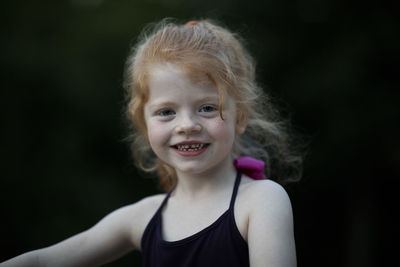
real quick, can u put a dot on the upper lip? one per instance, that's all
(189, 143)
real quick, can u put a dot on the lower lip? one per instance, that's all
(190, 153)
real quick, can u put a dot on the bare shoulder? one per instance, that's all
(141, 209)
(264, 202)
(265, 194)
(270, 224)
(136, 216)
(145, 206)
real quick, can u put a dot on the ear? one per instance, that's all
(241, 122)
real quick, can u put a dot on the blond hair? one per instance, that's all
(207, 51)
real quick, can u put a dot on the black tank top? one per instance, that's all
(220, 244)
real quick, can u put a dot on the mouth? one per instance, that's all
(190, 147)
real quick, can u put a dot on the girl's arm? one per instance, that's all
(270, 230)
(115, 235)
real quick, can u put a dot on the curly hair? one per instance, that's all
(205, 49)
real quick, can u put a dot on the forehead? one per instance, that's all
(171, 80)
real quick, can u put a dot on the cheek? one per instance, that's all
(224, 131)
(157, 134)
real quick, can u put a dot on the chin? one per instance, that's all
(195, 169)
(191, 170)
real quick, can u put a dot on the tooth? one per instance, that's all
(190, 147)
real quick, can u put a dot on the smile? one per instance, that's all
(191, 147)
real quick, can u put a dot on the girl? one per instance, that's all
(198, 116)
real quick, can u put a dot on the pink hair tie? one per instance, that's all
(250, 166)
(192, 22)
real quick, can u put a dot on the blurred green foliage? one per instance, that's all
(331, 65)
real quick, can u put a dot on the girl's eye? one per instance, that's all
(166, 112)
(208, 108)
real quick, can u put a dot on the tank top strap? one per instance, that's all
(235, 189)
(164, 201)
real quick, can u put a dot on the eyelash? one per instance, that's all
(162, 112)
(209, 106)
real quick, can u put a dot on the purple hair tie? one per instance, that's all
(250, 166)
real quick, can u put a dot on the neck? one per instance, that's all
(197, 185)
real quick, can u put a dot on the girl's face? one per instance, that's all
(183, 122)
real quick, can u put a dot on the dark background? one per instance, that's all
(333, 65)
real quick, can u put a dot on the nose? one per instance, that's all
(188, 125)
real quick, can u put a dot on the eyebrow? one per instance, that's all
(171, 103)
